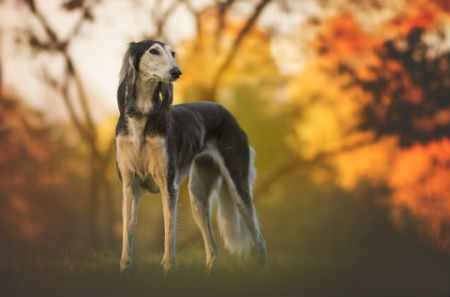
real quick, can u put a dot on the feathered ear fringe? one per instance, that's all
(163, 97)
(127, 79)
(166, 94)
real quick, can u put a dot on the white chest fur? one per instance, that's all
(136, 128)
(142, 157)
(146, 89)
(138, 155)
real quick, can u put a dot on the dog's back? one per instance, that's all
(158, 145)
(199, 126)
(206, 139)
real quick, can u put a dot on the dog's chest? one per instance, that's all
(142, 156)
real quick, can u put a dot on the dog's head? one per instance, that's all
(147, 60)
(151, 60)
(154, 60)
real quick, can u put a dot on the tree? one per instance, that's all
(404, 106)
(409, 90)
(44, 39)
(81, 118)
(36, 191)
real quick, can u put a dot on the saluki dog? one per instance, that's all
(158, 145)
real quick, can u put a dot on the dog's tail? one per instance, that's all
(232, 225)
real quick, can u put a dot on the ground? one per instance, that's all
(97, 274)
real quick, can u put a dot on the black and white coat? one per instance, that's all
(158, 145)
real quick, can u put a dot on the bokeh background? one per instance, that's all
(347, 104)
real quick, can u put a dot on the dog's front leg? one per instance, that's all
(169, 201)
(130, 205)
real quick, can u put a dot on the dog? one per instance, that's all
(158, 144)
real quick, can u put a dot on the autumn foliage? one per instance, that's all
(34, 173)
(368, 112)
(401, 87)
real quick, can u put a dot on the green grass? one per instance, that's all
(321, 244)
(96, 274)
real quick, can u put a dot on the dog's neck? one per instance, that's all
(144, 94)
(138, 115)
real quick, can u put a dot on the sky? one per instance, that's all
(98, 49)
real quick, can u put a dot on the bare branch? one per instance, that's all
(61, 47)
(81, 93)
(161, 19)
(83, 123)
(198, 22)
(236, 45)
(72, 4)
(298, 163)
(223, 8)
(282, 171)
(85, 15)
(71, 109)
(108, 154)
(48, 29)
(1, 77)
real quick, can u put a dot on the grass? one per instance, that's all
(335, 245)
(96, 274)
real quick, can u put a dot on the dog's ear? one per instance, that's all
(126, 90)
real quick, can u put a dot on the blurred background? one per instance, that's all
(347, 104)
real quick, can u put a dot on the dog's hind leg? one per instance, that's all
(241, 175)
(203, 178)
(248, 213)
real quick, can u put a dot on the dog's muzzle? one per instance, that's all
(175, 72)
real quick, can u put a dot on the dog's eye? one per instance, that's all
(154, 51)
(173, 54)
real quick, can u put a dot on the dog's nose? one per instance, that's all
(175, 72)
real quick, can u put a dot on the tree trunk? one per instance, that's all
(93, 209)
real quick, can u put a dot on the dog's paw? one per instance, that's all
(210, 263)
(169, 266)
(125, 267)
